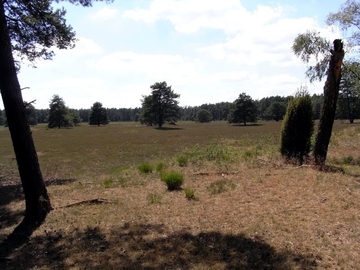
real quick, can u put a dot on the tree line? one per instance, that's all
(266, 109)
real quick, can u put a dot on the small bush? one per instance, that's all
(145, 168)
(221, 186)
(182, 160)
(159, 167)
(154, 198)
(190, 194)
(173, 180)
(297, 128)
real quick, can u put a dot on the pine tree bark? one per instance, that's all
(331, 93)
(36, 197)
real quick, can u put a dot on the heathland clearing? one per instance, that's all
(249, 209)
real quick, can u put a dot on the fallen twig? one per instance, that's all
(91, 201)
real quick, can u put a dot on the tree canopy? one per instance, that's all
(203, 116)
(35, 27)
(98, 115)
(244, 110)
(59, 115)
(160, 106)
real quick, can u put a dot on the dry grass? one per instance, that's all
(269, 215)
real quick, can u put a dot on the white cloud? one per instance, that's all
(189, 16)
(105, 13)
(159, 67)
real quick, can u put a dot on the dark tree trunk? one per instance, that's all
(36, 197)
(331, 93)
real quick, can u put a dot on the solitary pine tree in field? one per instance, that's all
(160, 106)
(59, 115)
(29, 29)
(243, 111)
(98, 115)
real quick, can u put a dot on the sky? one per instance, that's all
(209, 51)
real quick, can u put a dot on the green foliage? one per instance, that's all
(244, 110)
(98, 115)
(31, 114)
(154, 198)
(160, 167)
(161, 106)
(297, 128)
(173, 180)
(107, 183)
(59, 114)
(36, 28)
(311, 45)
(203, 116)
(182, 160)
(214, 151)
(190, 194)
(276, 111)
(348, 18)
(146, 168)
(76, 117)
(221, 186)
(348, 105)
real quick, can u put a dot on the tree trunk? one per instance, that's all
(331, 93)
(36, 197)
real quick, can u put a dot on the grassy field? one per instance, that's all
(245, 208)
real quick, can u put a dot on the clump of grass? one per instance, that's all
(107, 183)
(221, 186)
(145, 168)
(154, 198)
(248, 154)
(160, 167)
(182, 160)
(190, 194)
(173, 180)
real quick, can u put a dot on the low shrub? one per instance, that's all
(182, 160)
(190, 194)
(145, 168)
(173, 180)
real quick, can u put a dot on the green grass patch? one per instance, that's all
(190, 194)
(145, 168)
(160, 167)
(173, 180)
(107, 183)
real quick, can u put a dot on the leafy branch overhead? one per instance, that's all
(311, 45)
(35, 28)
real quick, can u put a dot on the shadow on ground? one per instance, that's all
(145, 246)
(11, 191)
(169, 128)
(248, 125)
